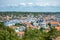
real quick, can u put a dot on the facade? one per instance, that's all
(19, 30)
(42, 23)
(11, 22)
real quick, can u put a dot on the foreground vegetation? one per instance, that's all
(32, 34)
(6, 33)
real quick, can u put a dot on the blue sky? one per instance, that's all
(30, 5)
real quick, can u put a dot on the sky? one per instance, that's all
(30, 5)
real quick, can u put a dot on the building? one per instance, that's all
(55, 23)
(19, 30)
(11, 22)
(42, 23)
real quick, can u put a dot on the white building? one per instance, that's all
(11, 22)
(42, 23)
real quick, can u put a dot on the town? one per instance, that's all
(21, 22)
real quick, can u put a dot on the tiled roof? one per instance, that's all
(57, 27)
(28, 24)
(34, 27)
(54, 22)
(21, 33)
(12, 27)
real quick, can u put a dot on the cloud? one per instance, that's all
(23, 4)
(39, 4)
(29, 3)
(33, 4)
(46, 4)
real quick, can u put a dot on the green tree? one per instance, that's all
(35, 35)
(7, 33)
(53, 33)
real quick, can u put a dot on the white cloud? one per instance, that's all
(46, 4)
(30, 3)
(24, 4)
(40, 3)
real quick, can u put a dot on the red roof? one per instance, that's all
(21, 33)
(12, 27)
(57, 27)
(54, 22)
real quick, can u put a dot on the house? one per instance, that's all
(11, 22)
(13, 27)
(19, 30)
(20, 34)
(42, 22)
(55, 23)
(57, 27)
